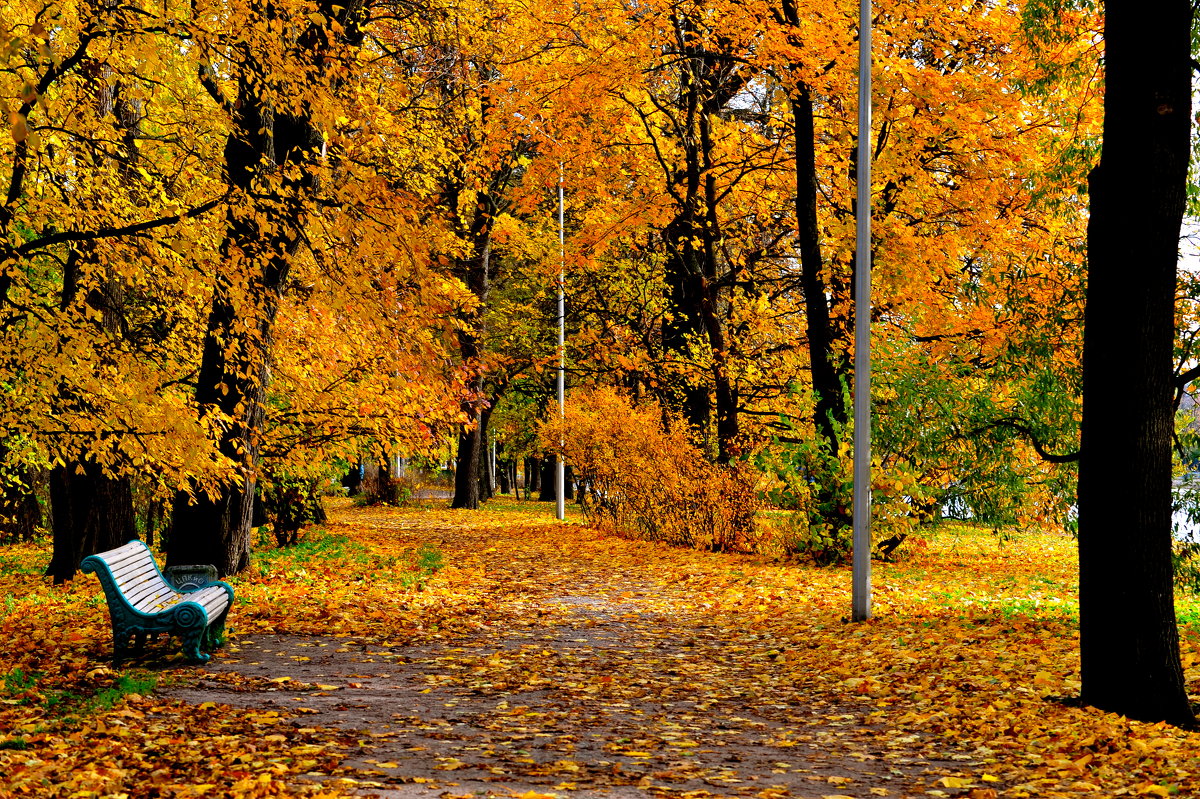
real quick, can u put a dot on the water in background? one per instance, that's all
(1185, 519)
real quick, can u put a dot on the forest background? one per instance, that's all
(244, 247)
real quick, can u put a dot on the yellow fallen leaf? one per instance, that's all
(956, 782)
(990, 778)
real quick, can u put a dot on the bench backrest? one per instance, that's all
(134, 574)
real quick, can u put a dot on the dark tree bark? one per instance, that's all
(261, 237)
(1129, 641)
(533, 476)
(569, 477)
(546, 486)
(472, 442)
(828, 374)
(466, 471)
(92, 513)
(486, 486)
(503, 473)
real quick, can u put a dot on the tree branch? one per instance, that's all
(1037, 445)
(110, 233)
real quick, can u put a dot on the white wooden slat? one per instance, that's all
(214, 599)
(136, 577)
(115, 561)
(132, 574)
(149, 584)
(123, 553)
(134, 590)
(133, 564)
(127, 547)
(154, 603)
(144, 591)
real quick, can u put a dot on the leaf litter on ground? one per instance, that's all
(552, 659)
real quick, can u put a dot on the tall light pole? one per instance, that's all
(560, 481)
(862, 329)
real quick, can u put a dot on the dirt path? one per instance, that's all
(585, 677)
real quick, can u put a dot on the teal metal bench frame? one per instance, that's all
(195, 614)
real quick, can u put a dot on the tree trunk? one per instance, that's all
(569, 482)
(92, 513)
(1129, 641)
(829, 411)
(533, 476)
(503, 470)
(487, 488)
(466, 470)
(546, 491)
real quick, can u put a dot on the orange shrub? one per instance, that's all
(645, 480)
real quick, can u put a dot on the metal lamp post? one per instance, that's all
(560, 481)
(862, 329)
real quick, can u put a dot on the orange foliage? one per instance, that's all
(649, 481)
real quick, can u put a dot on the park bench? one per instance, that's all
(142, 603)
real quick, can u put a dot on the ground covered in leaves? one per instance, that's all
(432, 653)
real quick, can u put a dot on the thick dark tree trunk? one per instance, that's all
(546, 486)
(466, 470)
(216, 529)
(92, 513)
(569, 491)
(696, 272)
(1129, 641)
(533, 476)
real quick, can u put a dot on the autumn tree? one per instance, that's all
(125, 297)
(1129, 641)
(96, 187)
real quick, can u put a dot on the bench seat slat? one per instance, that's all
(145, 584)
(131, 567)
(124, 560)
(136, 575)
(151, 601)
(123, 555)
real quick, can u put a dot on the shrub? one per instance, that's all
(645, 479)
